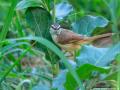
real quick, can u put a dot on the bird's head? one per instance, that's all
(55, 28)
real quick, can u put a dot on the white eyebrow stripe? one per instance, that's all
(56, 26)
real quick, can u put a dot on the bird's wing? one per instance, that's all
(66, 37)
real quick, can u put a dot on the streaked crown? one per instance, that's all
(56, 26)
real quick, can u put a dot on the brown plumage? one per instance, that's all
(70, 41)
(66, 37)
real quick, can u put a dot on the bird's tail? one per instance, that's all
(100, 36)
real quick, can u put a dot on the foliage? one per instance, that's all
(30, 60)
(87, 24)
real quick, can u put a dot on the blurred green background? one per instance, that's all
(29, 62)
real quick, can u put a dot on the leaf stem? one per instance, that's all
(54, 11)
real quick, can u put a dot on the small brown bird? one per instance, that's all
(70, 41)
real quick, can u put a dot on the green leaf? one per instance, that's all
(21, 33)
(90, 68)
(7, 48)
(118, 57)
(111, 76)
(109, 55)
(41, 87)
(87, 24)
(8, 20)
(84, 72)
(62, 10)
(59, 81)
(24, 4)
(40, 21)
(98, 56)
(118, 74)
(90, 54)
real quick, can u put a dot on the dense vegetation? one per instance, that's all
(30, 60)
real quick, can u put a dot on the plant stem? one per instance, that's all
(118, 75)
(113, 18)
(8, 21)
(54, 3)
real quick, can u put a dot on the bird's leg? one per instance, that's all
(72, 55)
(69, 54)
(76, 53)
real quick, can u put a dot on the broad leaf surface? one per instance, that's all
(63, 9)
(59, 81)
(87, 24)
(90, 54)
(24, 4)
(98, 56)
(41, 87)
(40, 21)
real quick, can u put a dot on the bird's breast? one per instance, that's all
(70, 47)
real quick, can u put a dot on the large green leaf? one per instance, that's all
(90, 54)
(109, 55)
(59, 81)
(40, 20)
(98, 56)
(111, 76)
(41, 87)
(24, 4)
(62, 10)
(87, 24)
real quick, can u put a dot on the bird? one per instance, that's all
(70, 41)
